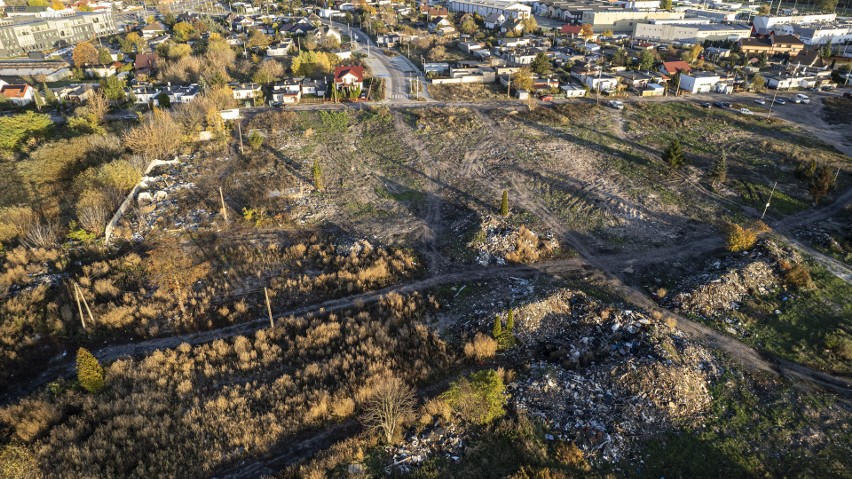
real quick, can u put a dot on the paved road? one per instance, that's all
(397, 71)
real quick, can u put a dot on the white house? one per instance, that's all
(19, 94)
(279, 49)
(288, 91)
(181, 94)
(246, 91)
(699, 82)
(572, 91)
(145, 95)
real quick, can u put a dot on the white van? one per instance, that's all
(803, 98)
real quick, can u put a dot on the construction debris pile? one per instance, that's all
(499, 243)
(607, 375)
(725, 283)
(159, 200)
(438, 439)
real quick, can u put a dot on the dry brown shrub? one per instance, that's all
(662, 292)
(481, 348)
(570, 455)
(799, 277)
(343, 407)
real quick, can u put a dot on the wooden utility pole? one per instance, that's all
(268, 307)
(240, 131)
(85, 303)
(509, 87)
(79, 307)
(224, 209)
(768, 201)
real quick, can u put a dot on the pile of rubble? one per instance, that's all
(714, 293)
(159, 204)
(606, 375)
(725, 283)
(500, 243)
(435, 440)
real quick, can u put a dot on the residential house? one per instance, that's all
(432, 12)
(19, 94)
(572, 91)
(699, 82)
(348, 78)
(638, 80)
(388, 40)
(74, 93)
(513, 25)
(153, 30)
(594, 78)
(468, 73)
(102, 71)
(314, 87)
(470, 47)
(772, 45)
(246, 91)
(181, 94)
(438, 23)
(439, 68)
(145, 95)
(571, 31)
(279, 49)
(158, 40)
(671, 68)
(287, 91)
(494, 20)
(145, 65)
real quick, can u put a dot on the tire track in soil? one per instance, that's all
(432, 219)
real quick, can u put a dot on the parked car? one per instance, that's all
(827, 88)
(546, 97)
(781, 101)
(719, 104)
(706, 105)
(795, 100)
(847, 95)
(803, 98)
(726, 104)
(616, 104)
(760, 101)
(129, 117)
(746, 111)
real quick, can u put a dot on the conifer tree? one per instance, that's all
(497, 331)
(673, 155)
(510, 321)
(504, 204)
(90, 374)
(316, 171)
(719, 171)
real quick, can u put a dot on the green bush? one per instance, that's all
(90, 374)
(478, 399)
(16, 129)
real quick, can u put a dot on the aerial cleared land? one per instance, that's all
(409, 241)
(552, 294)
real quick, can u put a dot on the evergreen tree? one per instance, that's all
(497, 330)
(504, 204)
(90, 374)
(510, 321)
(719, 171)
(673, 155)
(49, 96)
(316, 172)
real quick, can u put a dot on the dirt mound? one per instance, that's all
(678, 390)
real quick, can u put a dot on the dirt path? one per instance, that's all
(432, 219)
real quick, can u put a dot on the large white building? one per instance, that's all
(623, 21)
(20, 35)
(764, 24)
(508, 8)
(819, 33)
(689, 32)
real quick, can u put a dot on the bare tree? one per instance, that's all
(388, 408)
(158, 137)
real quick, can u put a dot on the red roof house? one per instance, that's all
(670, 68)
(348, 77)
